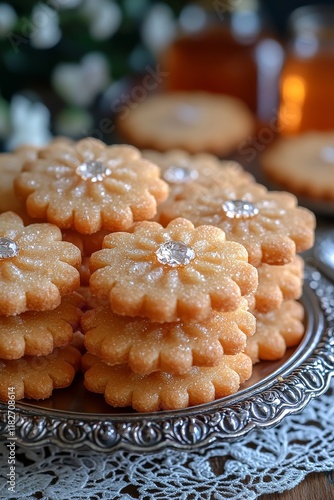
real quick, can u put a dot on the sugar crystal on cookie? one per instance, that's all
(8, 248)
(93, 171)
(240, 209)
(175, 253)
(176, 174)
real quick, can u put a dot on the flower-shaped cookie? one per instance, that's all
(122, 387)
(268, 224)
(275, 332)
(173, 273)
(193, 121)
(168, 347)
(279, 283)
(88, 186)
(182, 170)
(35, 377)
(36, 266)
(10, 166)
(38, 333)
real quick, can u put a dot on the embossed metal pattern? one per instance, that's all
(304, 375)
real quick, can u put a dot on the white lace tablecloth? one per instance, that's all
(267, 461)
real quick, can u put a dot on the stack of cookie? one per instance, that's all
(177, 321)
(269, 225)
(38, 311)
(85, 190)
(173, 314)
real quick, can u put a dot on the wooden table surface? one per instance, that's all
(316, 486)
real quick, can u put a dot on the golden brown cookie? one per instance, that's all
(88, 186)
(180, 170)
(170, 347)
(279, 283)
(303, 164)
(10, 166)
(172, 273)
(275, 332)
(36, 266)
(161, 391)
(38, 333)
(268, 224)
(193, 121)
(36, 377)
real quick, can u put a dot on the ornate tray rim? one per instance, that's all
(305, 375)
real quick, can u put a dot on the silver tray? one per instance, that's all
(73, 418)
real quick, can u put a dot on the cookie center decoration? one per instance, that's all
(93, 171)
(178, 175)
(239, 209)
(175, 253)
(8, 248)
(327, 154)
(187, 113)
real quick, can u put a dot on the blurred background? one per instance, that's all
(64, 64)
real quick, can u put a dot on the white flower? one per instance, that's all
(30, 123)
(79, 84)
(46, 32)
(159, 28)
(8, 19)
(104, 16)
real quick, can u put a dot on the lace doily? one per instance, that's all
(266, 461)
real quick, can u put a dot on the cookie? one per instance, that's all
(275, 332)
(303, 164)
(173, 273)
(10, 166)
(269, 224)
(182, 170)
(88, 186)
(36, 377)
(36, 266)
(278, 284)
(170, 347)
(196, 122)
(161, 391)
(38, 333)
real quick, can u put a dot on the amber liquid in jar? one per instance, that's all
(307, 82)
(213, 61)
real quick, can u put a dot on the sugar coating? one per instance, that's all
(169, 347)
(44, 269)
(128, 272)
(36, 377)
(161, 391)
(193, 121)
(38, 333)
(275, 332)
(209, 170)
(53, 191)
(10, 166)
(273, 236)
(299, 164)
(278, 284)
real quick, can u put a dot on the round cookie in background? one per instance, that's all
(303, 165)
(194, 121)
